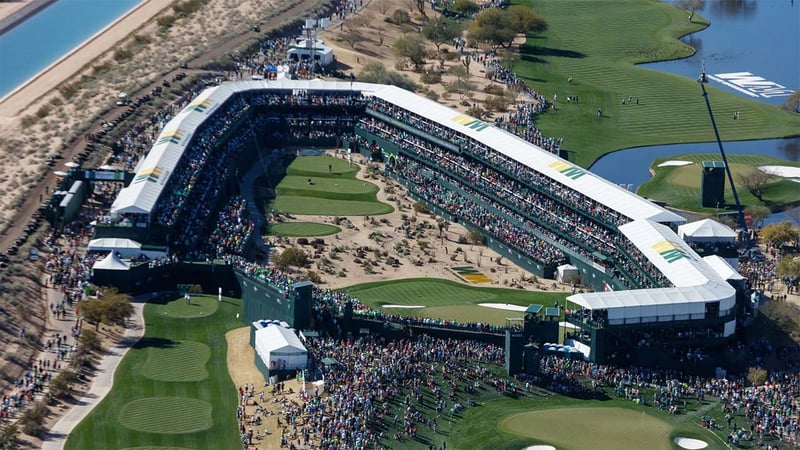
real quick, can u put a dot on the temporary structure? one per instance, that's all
(280, 349)
(111, 262)
(706, 230)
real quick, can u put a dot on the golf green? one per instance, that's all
(167, 415)
(150, 447)
(199, 306)
(595, 428)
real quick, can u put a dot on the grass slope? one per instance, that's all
(196, 413)
(448, 300)
(679, 186)
(334, 189)
(599, 43)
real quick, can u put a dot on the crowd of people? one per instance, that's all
(538, 205)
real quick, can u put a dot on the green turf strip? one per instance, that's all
(328, 207)
(598, 43)
(150, 447)
(179, 361)
(209, 405)
(302, 229)
(170, 415)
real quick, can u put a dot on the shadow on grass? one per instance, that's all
(155, 342)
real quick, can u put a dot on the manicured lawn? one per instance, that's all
(448, 300)
(170, 391)
(679, 186)
(330, 192)
(599, 43)
(302, 229)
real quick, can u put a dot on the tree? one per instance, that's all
(33, 418)
(789, 267)
(112, 307)
(8, 436)
(352, 38)
(292, 256)
(61, 386)
(499, 27)
(778, 234)
(492, 26)
(755, 181)
(792, 103)
(441, 30)
(523, 20)
(375, 72)
(758, 212)
(412, 49)
(465, 7)
(691, 6)
(756, 376)
(90, 340)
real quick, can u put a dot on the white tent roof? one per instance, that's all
(142, 194)
(278, 340)
(111, 262)
(696, 282)
(108, 244)
(550, 165)
(706, 228)
(721, 266)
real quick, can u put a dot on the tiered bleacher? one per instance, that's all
(534, 205)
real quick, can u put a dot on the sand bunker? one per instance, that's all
(674, 162)
(539, 447)
(689, 443)
(402, 306)
(782, 171)
(506, 306)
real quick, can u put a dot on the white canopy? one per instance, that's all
(111, 262)
(706, 230)
(280, 348)
(723, 267)
(696, 282)
(125, 247)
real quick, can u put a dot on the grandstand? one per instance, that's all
(535, 208)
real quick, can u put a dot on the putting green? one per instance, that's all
(166, 415)
(200, 306)
(595, 428)
(183, 361)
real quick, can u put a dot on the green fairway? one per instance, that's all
(310, 187)
(302, 229)
(447, 299)
(600, 428)
(598, 43)
(679, 186)
(170, 391)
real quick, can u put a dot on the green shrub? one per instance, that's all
(431, 77)
(400, 17)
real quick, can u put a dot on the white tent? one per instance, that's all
(127, 248)
(280, 348)
(111, 262)
(706, 230)
(567, 273)
(308, 49)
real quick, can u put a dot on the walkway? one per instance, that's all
(101, 382)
